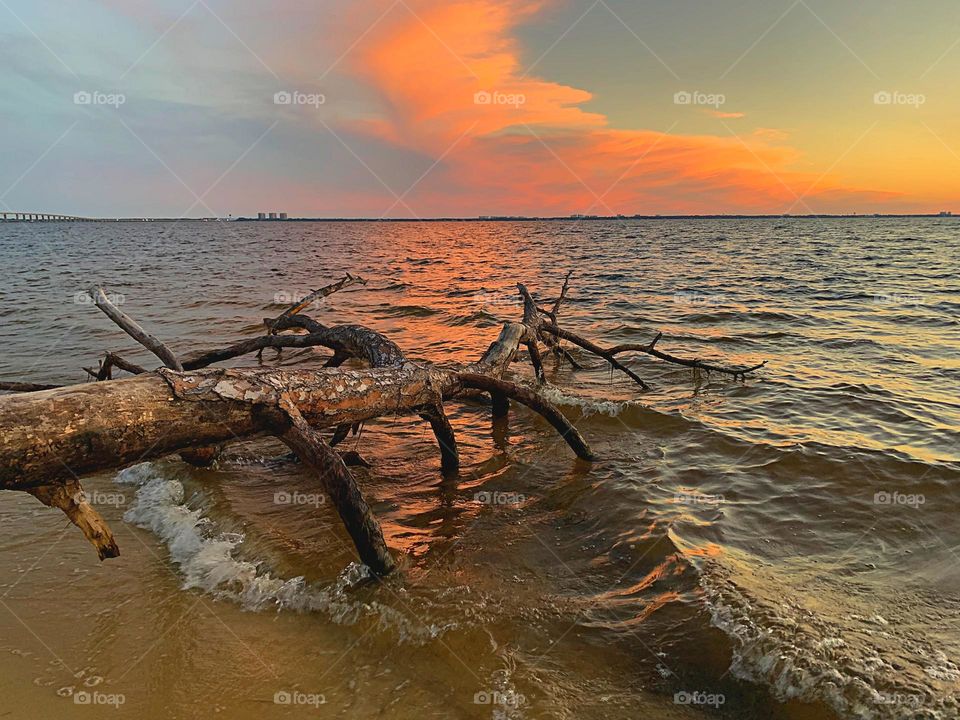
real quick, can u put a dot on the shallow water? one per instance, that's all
(780, 547)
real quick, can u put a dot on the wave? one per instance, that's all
(587, 407)
(746, 315)
(856, 664)
(406, 310)
(211, 561)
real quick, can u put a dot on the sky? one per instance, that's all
(449, 108)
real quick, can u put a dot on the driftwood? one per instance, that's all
(131, 328)
(51, 436)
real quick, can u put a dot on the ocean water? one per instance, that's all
(780, 547)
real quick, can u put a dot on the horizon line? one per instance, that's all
(482, 218)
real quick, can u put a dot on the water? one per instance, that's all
(783, 547)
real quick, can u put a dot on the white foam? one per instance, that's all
(209, 561)
(800, 655)
(589, 407)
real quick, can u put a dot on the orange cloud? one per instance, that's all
(452, 86)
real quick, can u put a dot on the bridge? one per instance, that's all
(40, 217)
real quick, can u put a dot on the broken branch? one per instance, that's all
(650, 349)
(130, 327)
(323, 292)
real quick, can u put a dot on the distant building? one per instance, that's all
(261, 216)
(946, 213)
(273, 216)
(283, 216)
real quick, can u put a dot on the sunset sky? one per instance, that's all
(425, 108)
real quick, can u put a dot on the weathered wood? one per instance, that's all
(274, 325)
(51, 436)
(70, 498)
(446, 439)
(339, 486)
(131, 328)
(125, 365)
(535, 323)
(592, 347)
(112, 360)
(563, 296)
(500, 405)
(535, 402)
(651, 349)
(345, 340)
(356, 341)
(100, 426)
(551, 341)
(25, 387)
(536, 360)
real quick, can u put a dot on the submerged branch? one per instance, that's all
(501, 389)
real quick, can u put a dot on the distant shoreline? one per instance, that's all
(503, 218)
(568, 218)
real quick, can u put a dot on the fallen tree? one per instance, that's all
(51, 436)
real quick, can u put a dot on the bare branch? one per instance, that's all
(535, 402)
(650, 349)
(130, 327)
(340, 487)
(446, 439)
(595, 349)
(70, 498)
(323, 292)
(563, 296)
